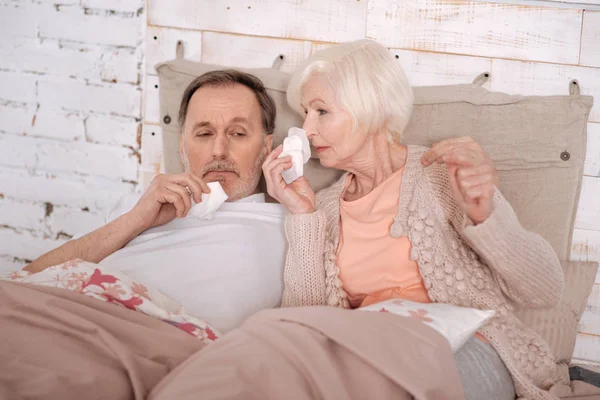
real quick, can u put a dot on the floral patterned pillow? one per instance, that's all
(111, 286)
(456, 324)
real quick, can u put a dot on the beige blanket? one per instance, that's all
(57, 344)
(319, 353)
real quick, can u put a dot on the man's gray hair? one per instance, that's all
(226, 78)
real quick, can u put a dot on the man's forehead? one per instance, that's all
(233, 99)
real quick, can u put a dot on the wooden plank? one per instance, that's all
(333, 21)
(477, 28)
(430, 69)
(592, 158)
(162, 42)
(152, 148)
(581, 4)
(529, 78)
(152, 100)
(588, 210)
(590, 39)
(590, 320)
(586, 246)
(587, 347)
(253, 51)
(152, 155)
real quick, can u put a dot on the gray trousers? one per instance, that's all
(482, 373)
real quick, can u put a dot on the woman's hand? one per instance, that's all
(473, 176)
(298, 197)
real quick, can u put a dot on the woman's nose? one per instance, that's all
(309, 127)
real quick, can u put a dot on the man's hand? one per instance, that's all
(473, 176)
(167, 197)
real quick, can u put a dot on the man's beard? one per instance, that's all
(245, 185)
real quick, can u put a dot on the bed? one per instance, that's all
(538, 145)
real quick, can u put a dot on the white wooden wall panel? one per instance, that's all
(592, 158)
(430, 69)
(152, 100)
(586, 246)
(590, 320)
(587, 347)
(477, 28)
(152, 154)
(584, 2)
(530, 78)
(252, 51)
(588, 211)
(332, 21)
(161, 44)
(590, 39)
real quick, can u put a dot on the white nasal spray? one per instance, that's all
(295, 145)
(210, 202)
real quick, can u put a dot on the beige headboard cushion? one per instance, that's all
(538, 143)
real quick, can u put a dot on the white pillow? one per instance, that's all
(456, 324)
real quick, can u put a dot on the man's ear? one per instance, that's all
(269, 143)
(181, 146)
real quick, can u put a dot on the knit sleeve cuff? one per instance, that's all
(304, 276)
(526, 263)
(305, 226)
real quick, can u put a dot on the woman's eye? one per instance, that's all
(238, 134)
(203, 134)
(321, 111)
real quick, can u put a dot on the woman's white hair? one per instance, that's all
(368, 81)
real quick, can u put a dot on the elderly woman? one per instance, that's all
(407, 222)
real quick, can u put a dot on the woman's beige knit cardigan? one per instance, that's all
(485, 266)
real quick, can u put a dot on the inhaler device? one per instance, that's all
(295, 145)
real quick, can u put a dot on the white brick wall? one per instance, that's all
(70, 118)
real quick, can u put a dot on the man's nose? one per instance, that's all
(220, 147)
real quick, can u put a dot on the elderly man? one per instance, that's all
(223, 269)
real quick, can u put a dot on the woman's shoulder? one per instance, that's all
(431, 182)
(434, 173)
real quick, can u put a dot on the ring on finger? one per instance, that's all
(188, 189)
